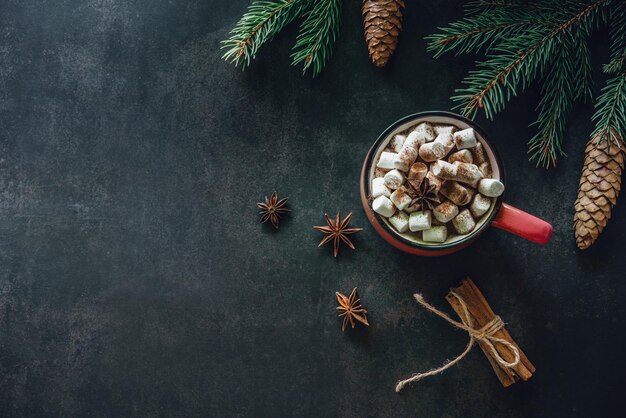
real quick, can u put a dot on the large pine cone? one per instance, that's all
(600, 184)
(383, 22)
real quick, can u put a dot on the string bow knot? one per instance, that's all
(485, 334)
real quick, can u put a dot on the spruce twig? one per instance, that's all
(610, 115)
(262, 21)
(317, 35)
(523, 41)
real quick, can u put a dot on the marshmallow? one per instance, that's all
(435, 234)
(432, 151)
(401, 198)
(418, 171)
(400, 221)
(396, 143)
(480, 205)
(425, 132)
(414, 140)
(444, 170)
(446, 140)
(490, 187)
(485, 168)
(446, 211)
(463, 222)
(458, 194)
(386, 160)
(379, 188)
(383, 206)
(434, 181)
(463, 156)
(408, 154)
(444, 129)
(419, 221)
(467, 173)
(465, 138)
(478, 152)
(394, 179)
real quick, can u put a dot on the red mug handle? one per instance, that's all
(527, 226)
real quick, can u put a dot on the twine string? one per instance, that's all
(485, 334)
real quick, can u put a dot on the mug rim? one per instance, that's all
(414, 116)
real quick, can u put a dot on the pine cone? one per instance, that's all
(599, 187)
(382, 20)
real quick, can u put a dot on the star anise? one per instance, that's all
(351, 309)
(336, 231)
(272, 209)
(423, 194)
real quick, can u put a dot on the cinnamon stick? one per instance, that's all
(481, 314)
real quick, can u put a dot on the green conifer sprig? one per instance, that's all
(610, 114)
(317, 35)
(262, 21)
(543, 40)
(265, 19)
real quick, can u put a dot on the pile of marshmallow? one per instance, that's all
(454, 162)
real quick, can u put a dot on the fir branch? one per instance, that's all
(556, 102)
(317, 35)
(610, 115)
(481, 31)
(514, 63)
(262, 21)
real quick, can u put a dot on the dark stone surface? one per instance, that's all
(136, 280)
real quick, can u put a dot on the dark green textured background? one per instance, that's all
(136, 280)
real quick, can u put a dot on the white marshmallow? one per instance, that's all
(480, 205)
(465, 138)
(394, 179)
(446, 140)
(444, 129)
(490, 187)
(406, 157)
(443, 170)
(463, 156)
(468, 173)
(435, 234)
(396, 143)
(419, 221)
(379, 188)
(400, 221)
(463, 222)
(414, 140)
(432, 151)
(446, 211)
(401, 198)
(425, 132)
(383, 206)
(386, 160)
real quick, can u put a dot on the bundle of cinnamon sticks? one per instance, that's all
(481, 314)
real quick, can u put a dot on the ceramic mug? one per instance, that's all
(500, 215)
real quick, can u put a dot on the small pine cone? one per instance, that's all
(382, 20)
(599, 187)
